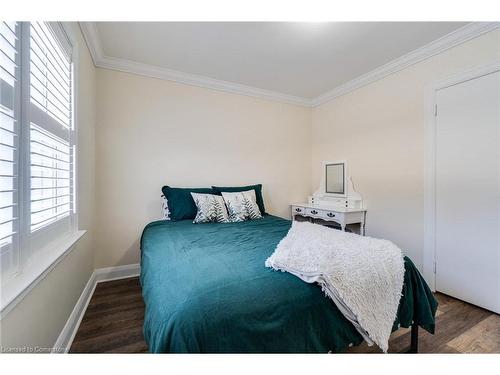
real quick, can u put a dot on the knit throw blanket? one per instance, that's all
(362, 275)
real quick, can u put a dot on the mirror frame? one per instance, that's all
(324, 184)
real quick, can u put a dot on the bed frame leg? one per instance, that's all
(414, 339)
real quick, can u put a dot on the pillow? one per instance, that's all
(211, 208)
(164, 207)
(180, 202)
(258, 193)
(241, 206)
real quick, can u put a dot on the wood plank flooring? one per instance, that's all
(113, 324)
(113, 320)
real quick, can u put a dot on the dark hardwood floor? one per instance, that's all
(114, 317)
(113, 320)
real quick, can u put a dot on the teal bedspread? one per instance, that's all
(206, 290)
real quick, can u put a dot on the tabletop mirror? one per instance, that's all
(336, 188)
(335, 179)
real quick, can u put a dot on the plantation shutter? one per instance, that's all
(50, 129)
(38, 221)
(9, 145)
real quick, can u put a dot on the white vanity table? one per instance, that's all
(340, 215)
(335, 201)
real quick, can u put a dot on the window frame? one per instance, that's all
(41, 250)
(15, 245)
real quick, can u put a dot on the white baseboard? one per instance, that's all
(67, 335)
(65, 339)
(118, 272)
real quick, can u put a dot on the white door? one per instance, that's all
(468, 191)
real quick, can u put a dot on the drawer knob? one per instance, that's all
(298, 209)
(314, 212)
(330, 214)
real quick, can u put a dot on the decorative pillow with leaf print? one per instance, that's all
(241, 206)
(210, 209)
(164, 207)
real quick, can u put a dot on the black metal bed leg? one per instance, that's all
(414, 339)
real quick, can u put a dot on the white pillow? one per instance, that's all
(164, 207)
(241, 206)
(211, 208)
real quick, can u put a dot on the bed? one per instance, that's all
(206, 290)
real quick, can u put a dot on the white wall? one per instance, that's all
(153, 132)
(39, 318)
(379, 129)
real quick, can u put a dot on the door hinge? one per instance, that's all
(435, 267)
(435, 110)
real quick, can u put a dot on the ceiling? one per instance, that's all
(303, 60)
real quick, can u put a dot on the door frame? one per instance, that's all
(429, 255)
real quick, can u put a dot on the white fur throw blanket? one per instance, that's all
(362, 275)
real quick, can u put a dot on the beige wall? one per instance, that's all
(39, 318)
(379, 129)
(153, 132)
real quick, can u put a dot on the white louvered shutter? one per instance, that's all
(50, 130)
(9, 146)
(37, 152)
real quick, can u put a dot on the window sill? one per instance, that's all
(13, 291)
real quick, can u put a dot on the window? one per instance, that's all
(37, 143)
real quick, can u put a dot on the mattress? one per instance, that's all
(206, 290)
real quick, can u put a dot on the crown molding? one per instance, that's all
(133, 67)
(91, 36)
(459, 36)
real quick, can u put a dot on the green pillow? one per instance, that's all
(180, 202)
(234, 189)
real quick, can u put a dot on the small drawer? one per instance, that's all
(329, 215)
(314, 212)
(297, 210)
